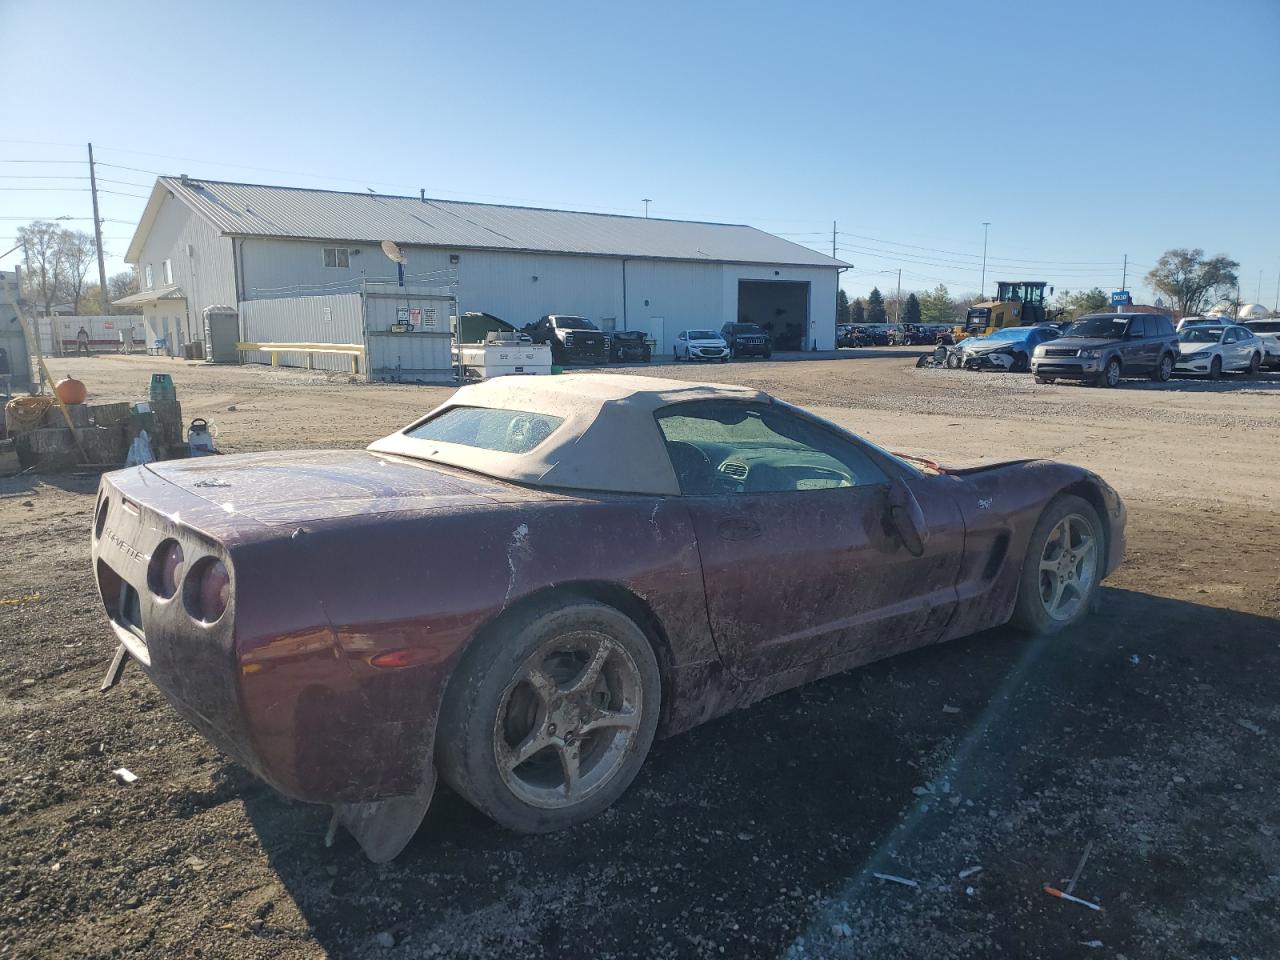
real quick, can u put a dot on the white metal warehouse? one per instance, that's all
(207, 244)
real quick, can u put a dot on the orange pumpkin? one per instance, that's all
(71, 390)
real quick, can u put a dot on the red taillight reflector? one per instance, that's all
(207, 590)
(164, 573)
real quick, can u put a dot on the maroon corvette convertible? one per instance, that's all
(521, 589)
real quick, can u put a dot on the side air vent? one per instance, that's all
(734, 469)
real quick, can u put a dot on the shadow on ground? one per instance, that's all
(1150, 730)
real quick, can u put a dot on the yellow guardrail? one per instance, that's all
(354, 350)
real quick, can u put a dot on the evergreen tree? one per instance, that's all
(911, 310)
(857, 312)
(936, 306)
(842, 307)
(875, 307)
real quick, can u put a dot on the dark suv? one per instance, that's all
(572, 339)
(1102, 348)
(747, 340)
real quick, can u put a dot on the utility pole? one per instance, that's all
(1259, 300)
(97, 235)
(982, 289)
(833, 239)
(646, 203)
(1124, 274)
(897, 307)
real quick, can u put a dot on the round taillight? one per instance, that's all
(208, 590)
(165, 572)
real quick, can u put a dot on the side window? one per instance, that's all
(719, 447)
(1229, 336)
(684, 335)
(1166, 327)
(1136, 328)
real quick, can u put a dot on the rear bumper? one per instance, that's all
(271, 683)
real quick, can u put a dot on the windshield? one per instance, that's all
(745, 328)
(1200, 335)
(1109, 328)
(574, 323)
(1009, 333)
(703, 335)
(506, 431)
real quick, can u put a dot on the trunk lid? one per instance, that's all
(296, 486)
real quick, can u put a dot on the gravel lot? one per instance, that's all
(1151, 732)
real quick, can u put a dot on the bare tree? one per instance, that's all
(122, 284)
(42, 249)
(78, 254)
(1188, 279)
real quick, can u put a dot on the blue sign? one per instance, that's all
(1121, 298)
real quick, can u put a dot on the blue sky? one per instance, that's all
(1082, 132)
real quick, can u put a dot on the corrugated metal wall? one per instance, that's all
(337, 318)
(201, 262)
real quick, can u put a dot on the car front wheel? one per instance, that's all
(550, 715)
(1062, 569)
(1111, 374)
(1215, 368)
(1255, 364)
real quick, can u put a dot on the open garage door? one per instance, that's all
(780, 306)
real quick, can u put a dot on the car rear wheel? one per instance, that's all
(1215, 368)
(1163, 370)
(1062, 568)
(953, 361)
(550, 715)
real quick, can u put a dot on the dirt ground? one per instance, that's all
(1151, 732)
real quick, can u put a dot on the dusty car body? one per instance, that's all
(365, 596)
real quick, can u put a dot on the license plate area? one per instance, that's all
(130, 611)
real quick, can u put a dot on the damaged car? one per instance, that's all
(1009, 349)
(520, 590)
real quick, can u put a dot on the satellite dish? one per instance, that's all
(392, 251)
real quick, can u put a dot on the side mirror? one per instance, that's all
(907, 519)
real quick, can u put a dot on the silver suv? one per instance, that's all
(1102, 348)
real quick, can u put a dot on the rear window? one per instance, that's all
(1265, 326)
(504, 431)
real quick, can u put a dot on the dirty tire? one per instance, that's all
(1255, 364)
(1021, 363)
(1046, 379)
(1030, 612)
(1164, 369)
(477, 745)
(953, 361)
(1215, 368)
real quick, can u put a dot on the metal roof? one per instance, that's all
(252, 210)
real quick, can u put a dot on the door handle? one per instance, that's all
(738, 528)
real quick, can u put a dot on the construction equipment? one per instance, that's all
(1017, 303)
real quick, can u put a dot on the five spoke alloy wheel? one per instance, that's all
(1065, 561)
(550, 713)
(1068, 567)
(568, 719)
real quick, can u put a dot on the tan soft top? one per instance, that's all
(609, 440)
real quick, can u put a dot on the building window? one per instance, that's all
(167, 268)
(150, 278)
(337, 257)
